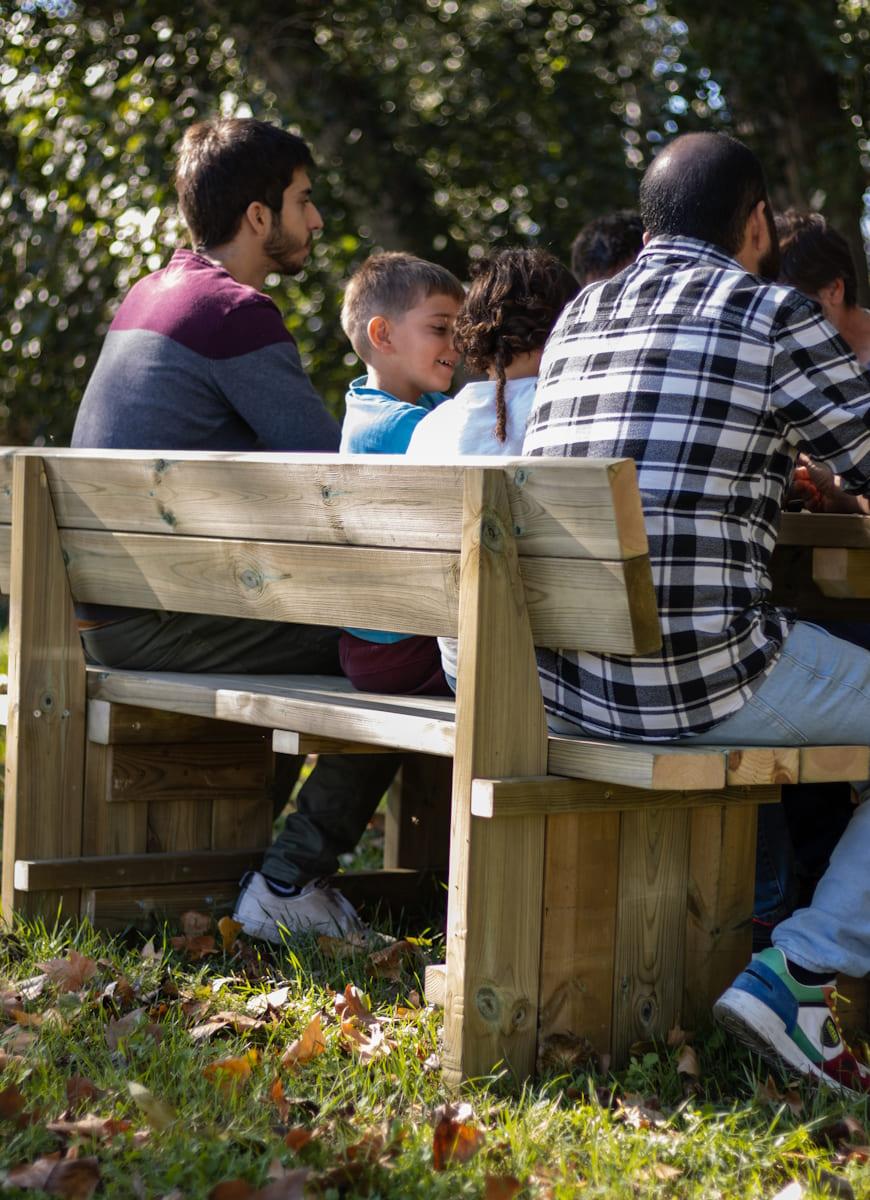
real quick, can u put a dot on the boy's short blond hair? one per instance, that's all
(389, 285)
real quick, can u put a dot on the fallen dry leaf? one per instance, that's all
(228, 1073)
(72, 1178)
(148, 953)
(195, 946)
(158, 1113)
(677, 1036)
(769, 1092)
(365, 1039)
(456, 1138)
(229, 931)
(344, 947)
(80, 1090)
(501, 1187)
(306, 1047)
(194, 923)
(10, 1060)
(90, 1126)
(221, 1022)
(19, 1040)
(12, 1105)
(296, 1137)
(565, 1053)
(232, 1189)
(120, 1030)
(258, 1006)
(687, 1062)
(352, 1003)
(70, 974)
(387, 963)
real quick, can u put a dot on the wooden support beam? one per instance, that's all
(45, 747)
(417, 829)
(285, 741)
(125, 724)
(136, 870)
(832, 764)
(188, 773)
(552, 795)
(496, 866)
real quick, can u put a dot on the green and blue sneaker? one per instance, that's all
(790, 1024)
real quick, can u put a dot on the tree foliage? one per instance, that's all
(443, 127)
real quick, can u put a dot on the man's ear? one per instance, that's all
(259, 218)
(757, 227)
(378, 331)
(646, 237)
(833, 293)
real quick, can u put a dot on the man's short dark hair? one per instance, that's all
(814, 255)
(606, 245)
(705, 186)
(227, 163)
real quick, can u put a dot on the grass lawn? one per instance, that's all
(171, 1069)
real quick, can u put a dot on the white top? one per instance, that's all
(466, 425)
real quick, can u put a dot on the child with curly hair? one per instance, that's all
(514, 301)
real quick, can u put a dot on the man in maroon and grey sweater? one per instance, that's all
(198, 358)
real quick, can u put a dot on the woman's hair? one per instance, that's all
(514, 301)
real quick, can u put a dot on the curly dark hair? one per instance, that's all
(514, 301)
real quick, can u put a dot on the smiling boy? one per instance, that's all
(398, 313)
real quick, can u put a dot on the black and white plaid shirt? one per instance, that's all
(711, 380)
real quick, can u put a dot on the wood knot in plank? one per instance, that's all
(491, 533)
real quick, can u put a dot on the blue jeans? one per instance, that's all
(817, 694)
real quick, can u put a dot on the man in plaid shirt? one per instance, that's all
(713, 378)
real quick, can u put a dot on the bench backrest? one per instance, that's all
(374, 542)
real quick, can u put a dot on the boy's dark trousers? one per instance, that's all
(338, 799)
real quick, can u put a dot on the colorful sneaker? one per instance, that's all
(790, 1024)
(317, 908)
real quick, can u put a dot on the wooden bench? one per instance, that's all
(597, 888)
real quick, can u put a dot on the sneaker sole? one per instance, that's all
(759, 1028)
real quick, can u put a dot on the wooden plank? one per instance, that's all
(241, 822)
(109, 828)
(721, 896)
(670, 768)
(759, 765)
(286, 741)
(117, 724)
(651, 926)
(842, 573)
(496, 867)
(569, 508)
(323, 705)
(824, 529)
(830, 764)
(179, 825)
(579, 928)
(136, 870)
(144, 907)
(602, 605)
(553, 795)
(435, 984)
(417, 828)
(5, 557)
(188, 772)
(46, 732)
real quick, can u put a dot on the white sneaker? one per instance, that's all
(317, 908)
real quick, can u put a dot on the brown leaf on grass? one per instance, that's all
(157, 1112)
(80, 1090)
(148, 952)
(687, 1062)
(120, 991)
(275, 1000)
(10, 1060)
(352, 1003)
(639, 1116)
(222, 1022)
(343, 947)
(376, 1145)
(18, 1041)
(290, 1187)
(228, 1073)
(306, 1047)
(365, 1039)
(232, 1189)
(72, 1178)
(387, 963)
(90, 1126)
(70, 974)
(565, 1053)
(120, 1030)
(12, 1104)
(194, 923)
(229, 931)
(296, 1137)
(677, 1036)
(195, 946)
(456, 1138)
(768, 1092)
(501, 1187)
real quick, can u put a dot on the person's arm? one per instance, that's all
(822, 397)
(265, 383)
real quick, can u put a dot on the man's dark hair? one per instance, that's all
(606, 245)
(813, 254)
(227, 163)
(705, 186)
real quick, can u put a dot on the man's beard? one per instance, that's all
(769, 266)
(286, 252)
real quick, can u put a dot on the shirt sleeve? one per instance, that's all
(822, 396)
(268, 387)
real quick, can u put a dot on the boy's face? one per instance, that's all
(423, 354)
